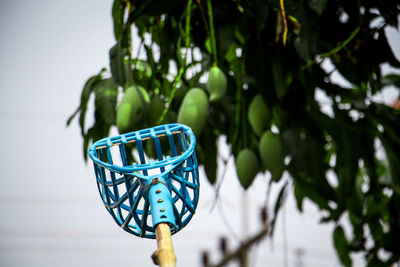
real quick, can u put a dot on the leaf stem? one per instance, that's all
(203, 16)
(212, 32)
(341, 45)
(187, 30)
(171, 97)
(335, 50)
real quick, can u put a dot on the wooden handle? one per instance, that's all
(164, 255)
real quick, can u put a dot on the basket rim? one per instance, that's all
(161, 130)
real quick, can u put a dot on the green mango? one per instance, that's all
(132, 109)
(247, 167)
(258, 114)
(216, 84)
(193, 111)
(272, 154)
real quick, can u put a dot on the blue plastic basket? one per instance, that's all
(159, 185)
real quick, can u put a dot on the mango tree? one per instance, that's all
(254, 71)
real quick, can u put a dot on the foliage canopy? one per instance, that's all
(281, 51)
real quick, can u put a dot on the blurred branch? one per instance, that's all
(244, 247)
(220, 181)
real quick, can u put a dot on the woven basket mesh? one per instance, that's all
(128, 165)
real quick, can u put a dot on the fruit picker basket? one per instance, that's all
(148, 177)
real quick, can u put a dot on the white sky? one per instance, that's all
(51, 214)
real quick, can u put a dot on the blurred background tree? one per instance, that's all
(261, 74)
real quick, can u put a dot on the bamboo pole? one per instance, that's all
(164, 255)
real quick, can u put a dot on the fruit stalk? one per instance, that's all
(187, 30)
(212, 32)
(171, 97)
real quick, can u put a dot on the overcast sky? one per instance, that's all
(51, 214)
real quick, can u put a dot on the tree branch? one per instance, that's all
(244, 247)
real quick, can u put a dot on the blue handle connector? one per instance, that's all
(148, 177)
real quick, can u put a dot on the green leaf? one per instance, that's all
(347, 143)
(150, 59)
(100, 129)
(281, 76)
(280, 200)
(119, 68)
(207, 45)
(241, 39)
(388, 118)
(230, 55)
(118, 13)
(153, 8)
(392, 152)
(357, 242)
(375, 226)
(391, 79)
(318, 5)
(303, 189)
(308, 165)
(342, 246)
(87, 90)
(106, 99)
(383, 172)
(141, 70)
(367, 150)
(299, 195)
(375, 204)
(307, 40)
